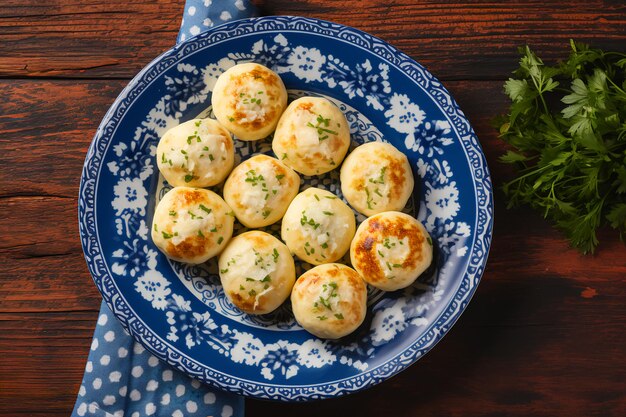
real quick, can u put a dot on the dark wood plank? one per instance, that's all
(44, 357)
(455, 40)
(46, 128)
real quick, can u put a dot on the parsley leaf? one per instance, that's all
(566, 127)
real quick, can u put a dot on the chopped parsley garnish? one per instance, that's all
(205, 208)
(316, 197)
(266, 212)
(155, 228)
(223, 271)
(391, 266)
(193, 216)
(339, 316)
(253, 178)
(164, 160)
(381, 177)
(172, 213)
(275, 255)
(429, 240)
(322, 128)
(322, 318)
(325, 301)
(280, 176)
(369, 199)
(214, 229)
(189, 177)
(324, 246)
(166, 235)
(328, 213)
(232, 119)
(241, 288)
(304, 220)
(198, 123)
(251, 293)
(388, 244)
(267, 279)
(200, 234)
(220, 240)
(381, 254)
(284, 156)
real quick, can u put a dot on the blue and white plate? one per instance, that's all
(179, 312)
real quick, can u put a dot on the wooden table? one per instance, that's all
(545, 334)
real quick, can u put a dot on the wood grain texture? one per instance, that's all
(455, 40)
(544, 334)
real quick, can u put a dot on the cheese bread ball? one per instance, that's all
(390, 250)
(312, 136)
(376, 177)
(197, 153)
(248, 100)
(192, 224)
(329, 300)
(260, 189)
(257, 272)
(318, 227)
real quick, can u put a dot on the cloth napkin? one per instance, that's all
(122, 378)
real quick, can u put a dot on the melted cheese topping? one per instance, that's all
(252, 104)
(312, 136)
(257, 272)
(248, 100)
(329, 300)
(191, 224)
(260, 190)
(195, 153)
(376, 177)
(390, 250)
(391, 254)
(318, 226)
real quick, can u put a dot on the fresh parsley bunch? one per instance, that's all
(567, 124)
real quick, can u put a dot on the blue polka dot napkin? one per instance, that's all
(199, 15)
(121, 378)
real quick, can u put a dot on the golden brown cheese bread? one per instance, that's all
(257, 272)
(197, 153)
(318, 227)
(390, 250)
(329, 300)
(260, 189)
(312, 136)
(248, 99)
(192, 224)
(376, 177)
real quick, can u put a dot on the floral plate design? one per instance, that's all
(179, 311)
